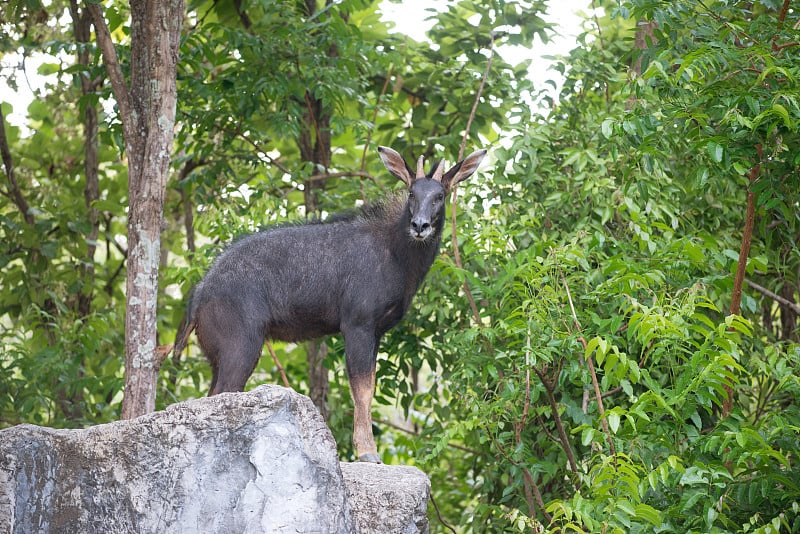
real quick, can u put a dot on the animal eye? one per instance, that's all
(410, 194)
(440, 197)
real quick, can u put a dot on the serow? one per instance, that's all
(355, 273)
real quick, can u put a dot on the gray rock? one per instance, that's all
(262, 461)
(387, 499)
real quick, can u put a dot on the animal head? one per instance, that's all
(426, 194)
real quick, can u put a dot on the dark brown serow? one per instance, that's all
(355, 274)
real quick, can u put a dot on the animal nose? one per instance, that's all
(420, 226)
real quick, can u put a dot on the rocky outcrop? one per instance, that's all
(262, 461)
(387, 498)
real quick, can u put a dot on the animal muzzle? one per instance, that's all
(420, 229)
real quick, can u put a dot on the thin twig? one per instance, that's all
(723, 21)
(323, 177)
(590, 362)
(439, 515)
(236, 132)
(375, 117)
(530, 486)
(783, 12)
(783, 46)
(781, 20)
(278, 364)
(546, 431)
(477, 97)
(612, 391)
(597, 24)
(520, 425)
(453, 202)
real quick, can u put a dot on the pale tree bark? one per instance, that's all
(147, 110)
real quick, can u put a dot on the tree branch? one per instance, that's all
(562, 434)
(15, 194)
(238, 133)
(783, 12)
(744, 252)
(114, 70)
(82, 26)
(323, 177)
(778, 48)
(767, 293)
(243, 16)
(747, 234)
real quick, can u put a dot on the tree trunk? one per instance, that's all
(82, 24)
(318, 385)
(314, 144)
(316, 350)
(147, 111)
(315, 147)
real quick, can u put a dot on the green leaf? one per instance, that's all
(715, 151)
(648, 513)
(613, 421)
(783, 113)
(587, 436)
(606, 128)
(46, 69)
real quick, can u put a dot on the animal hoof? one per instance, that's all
(370, 457)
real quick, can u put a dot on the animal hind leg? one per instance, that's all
(230, 341)
(236, 363)
(211, 352)
(214, 375)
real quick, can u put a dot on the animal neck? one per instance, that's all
(417, 256)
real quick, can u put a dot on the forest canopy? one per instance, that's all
(609, 339)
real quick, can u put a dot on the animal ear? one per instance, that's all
(463, 169)
(396, 165)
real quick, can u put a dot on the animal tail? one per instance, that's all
(185, 329)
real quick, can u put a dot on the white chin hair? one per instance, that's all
(419, 237)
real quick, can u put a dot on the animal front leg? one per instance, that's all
(361, 352)
(362, 388)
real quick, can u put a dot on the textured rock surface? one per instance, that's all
(263, 461)
(387, 499)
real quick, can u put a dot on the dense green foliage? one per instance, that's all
(596, 261)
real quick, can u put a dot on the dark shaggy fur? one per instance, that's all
(355, 274)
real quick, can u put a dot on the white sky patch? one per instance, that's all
(410, 16)
(28, 82)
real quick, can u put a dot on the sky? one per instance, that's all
(409, 18)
